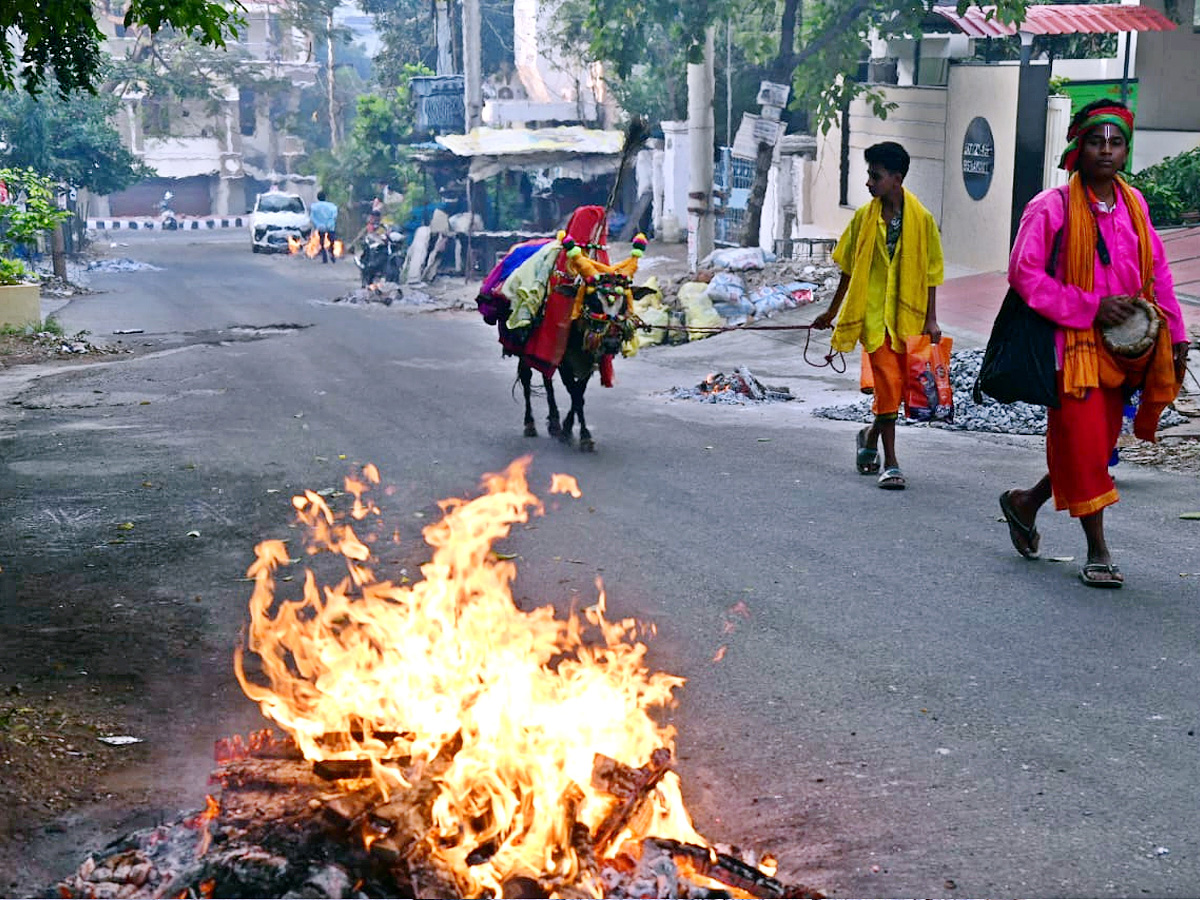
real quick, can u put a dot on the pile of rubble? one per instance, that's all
(739, 388)
(733, 287)
(121, 264)
(991, 416)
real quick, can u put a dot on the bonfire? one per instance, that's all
(434, 739)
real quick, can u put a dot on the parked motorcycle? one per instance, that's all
(168, 221)
(381, 257)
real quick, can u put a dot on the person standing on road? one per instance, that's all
(324, 219)
(891, 261)
(1110, 254)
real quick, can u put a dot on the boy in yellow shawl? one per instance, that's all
(891, 261)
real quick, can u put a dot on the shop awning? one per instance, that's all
(571, 150)
(1057, 19)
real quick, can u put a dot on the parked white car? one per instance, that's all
(276, 217)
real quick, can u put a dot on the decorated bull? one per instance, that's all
(560, 306)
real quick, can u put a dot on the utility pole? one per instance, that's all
(333, 136)
(445, 64)
(701, 130)
(472, 66)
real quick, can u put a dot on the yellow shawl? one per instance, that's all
(913, 300)
(1086, 362)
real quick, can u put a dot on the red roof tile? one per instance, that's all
(1058, 19)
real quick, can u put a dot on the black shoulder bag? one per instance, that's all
(1019, 362)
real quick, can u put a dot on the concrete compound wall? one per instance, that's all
(975, 233)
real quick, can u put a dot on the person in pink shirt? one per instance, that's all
(1110, 254)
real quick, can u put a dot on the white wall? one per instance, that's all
(1150, 146)
(975, 233)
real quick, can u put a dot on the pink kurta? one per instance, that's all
(1081, 433)
(1073, 307)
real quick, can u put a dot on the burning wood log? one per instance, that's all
(730, 870)
(631, 786)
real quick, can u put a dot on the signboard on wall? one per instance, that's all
(978, 158)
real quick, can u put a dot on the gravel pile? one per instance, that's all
(1011, 418)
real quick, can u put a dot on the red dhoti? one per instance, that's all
(1080, 437)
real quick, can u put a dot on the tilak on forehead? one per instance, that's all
(1116, 116)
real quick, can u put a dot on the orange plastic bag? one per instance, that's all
(866, 377)
(928, 394)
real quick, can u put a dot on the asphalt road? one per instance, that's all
(908, 709)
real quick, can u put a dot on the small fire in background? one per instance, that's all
(312, 247)
(741, 386)
(525, 703)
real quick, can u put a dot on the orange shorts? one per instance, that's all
(887, 366)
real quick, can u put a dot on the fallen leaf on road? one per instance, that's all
(1060, 559)
(504, 555)
(193, 534)
(126, 526)
(1191, 515)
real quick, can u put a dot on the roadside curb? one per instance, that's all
(151, 224)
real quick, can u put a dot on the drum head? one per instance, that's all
(1137, 334)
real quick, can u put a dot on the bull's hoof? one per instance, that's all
(554, 427)
(530, 430)
(587, 445)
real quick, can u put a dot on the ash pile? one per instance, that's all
(387, 293)
(991, 416)
(739, 387)
(284, 827)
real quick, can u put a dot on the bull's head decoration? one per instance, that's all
(604, 297)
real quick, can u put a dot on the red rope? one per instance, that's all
(832, 359)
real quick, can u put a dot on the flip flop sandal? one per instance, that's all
(866, 459)
(1114, 578)
(892, 479)
(1025, 538)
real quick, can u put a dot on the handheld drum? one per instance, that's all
(1135, 336)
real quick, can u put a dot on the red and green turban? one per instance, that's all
(1105, 115)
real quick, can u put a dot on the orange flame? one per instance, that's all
(565, 484)
(313, 247)
(369, 669)
(337, 249)
(294, 246)
(200, 822)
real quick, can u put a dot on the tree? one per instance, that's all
(409, 33)
(70, 139)
(821, 70)
(30, 209)
(63, 39)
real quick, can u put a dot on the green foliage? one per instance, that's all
(62, 37)
(13, 271)
(71, 139)
(1171, 187)
(376, 150)
(31, 209)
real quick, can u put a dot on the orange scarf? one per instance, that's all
(1086, 361)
